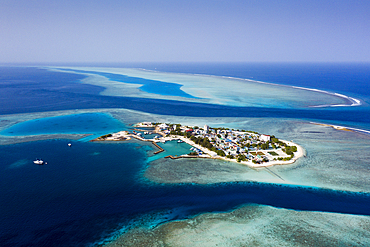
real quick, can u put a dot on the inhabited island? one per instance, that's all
(242, 146)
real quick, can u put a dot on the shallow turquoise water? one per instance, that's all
(171, 148)
(148, 136)
(149, 86)
(85, 123)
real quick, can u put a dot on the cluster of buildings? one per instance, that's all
(251, 146)
(247, 147)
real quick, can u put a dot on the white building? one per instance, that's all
(265, 138)
(206, 128)
(163, 126)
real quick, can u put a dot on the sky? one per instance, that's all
(103, 31)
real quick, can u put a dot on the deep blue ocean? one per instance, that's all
(90, 190)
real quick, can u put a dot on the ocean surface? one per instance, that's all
(90, 191)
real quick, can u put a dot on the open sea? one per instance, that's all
(90, 191)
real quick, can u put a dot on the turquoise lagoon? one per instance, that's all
(94, 124)
(171, 148)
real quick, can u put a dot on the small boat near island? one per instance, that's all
(39, 162)
(180, 141)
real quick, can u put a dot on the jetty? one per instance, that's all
(160, 149)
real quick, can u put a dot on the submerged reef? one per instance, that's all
(255, 225)
(125, 82)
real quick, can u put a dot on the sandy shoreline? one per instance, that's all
(337, 127)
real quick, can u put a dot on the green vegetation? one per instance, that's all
(286, 158)
(273, 153)
(289, 150)
(265, 146)
(220, 153)
(241, 157)
(229, 156)
(276, 142)
(204, 142)
(105, 136)
(257, 153)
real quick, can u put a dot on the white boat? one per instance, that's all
(69, 144)
(180, 141)
(39, 162)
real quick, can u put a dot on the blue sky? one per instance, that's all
(185, 31)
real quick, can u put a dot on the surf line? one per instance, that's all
(354, 102)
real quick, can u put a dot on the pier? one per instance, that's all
(160, 149)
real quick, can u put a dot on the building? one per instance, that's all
(265, 138)
(206, 128)
(163, 126)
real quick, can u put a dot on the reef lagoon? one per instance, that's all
(119, 193)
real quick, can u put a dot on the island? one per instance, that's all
(245, 147)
